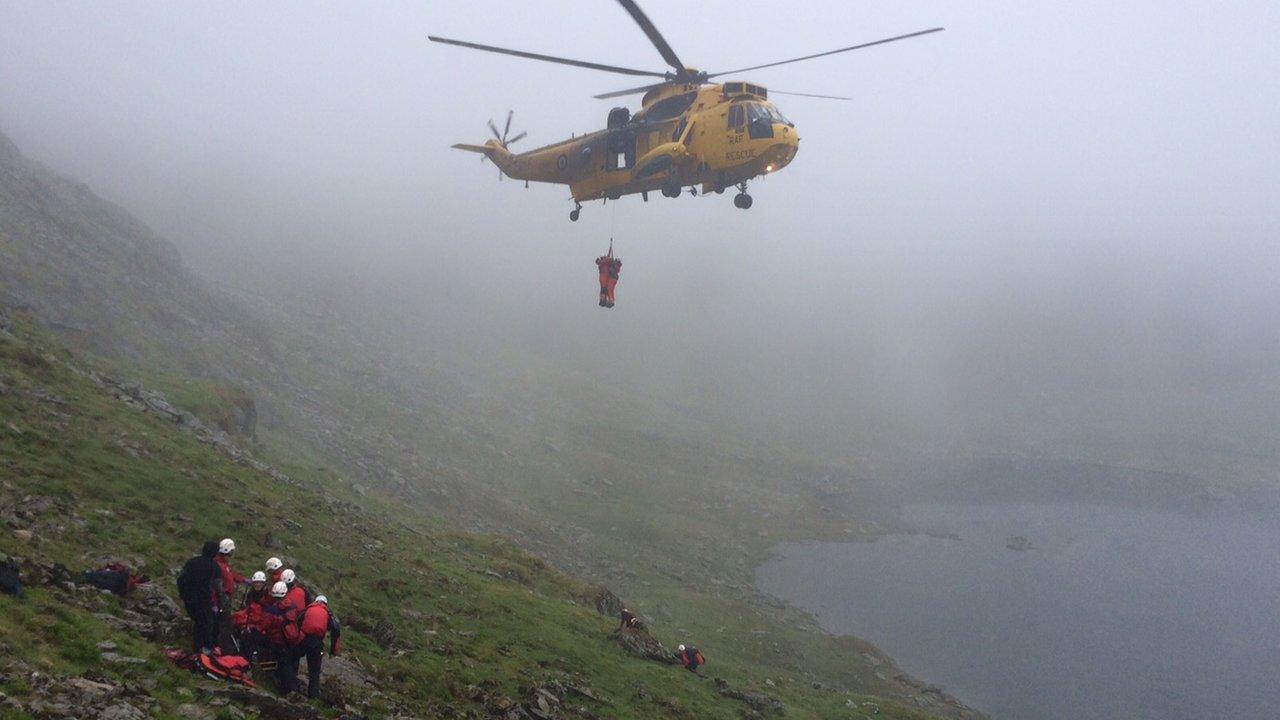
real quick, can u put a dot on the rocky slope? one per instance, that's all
(671, 513)
(438, 624)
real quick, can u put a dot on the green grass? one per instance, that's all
(134, 486)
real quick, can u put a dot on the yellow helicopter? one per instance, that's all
(688, 132)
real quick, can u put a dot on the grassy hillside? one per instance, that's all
(86, 476)
(357, 405)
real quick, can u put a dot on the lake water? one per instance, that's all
(1114, 614)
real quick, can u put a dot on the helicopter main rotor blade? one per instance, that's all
(632, 91)
(831, 52)
(546, 58)
(655, 37)
(809, 95)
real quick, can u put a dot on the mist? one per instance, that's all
(1048, 230)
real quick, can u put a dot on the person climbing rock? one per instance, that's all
(198, 585)
(316, 622)
(691, 658)
(628, 620)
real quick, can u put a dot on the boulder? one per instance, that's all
(121, 711)
(765, 705)
(343, 682)
(641, 644)
(266, 705)
(607, 603)
(90, 691)
(191, 711)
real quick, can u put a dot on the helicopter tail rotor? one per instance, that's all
(503, 140)
(496, 149)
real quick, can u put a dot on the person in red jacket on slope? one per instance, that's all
(316, 622)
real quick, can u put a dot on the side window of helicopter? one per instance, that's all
(684, 122)
(735, 117)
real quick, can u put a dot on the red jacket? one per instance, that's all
(318, 621)
(230, 578)
(297, 597)
(275, 618)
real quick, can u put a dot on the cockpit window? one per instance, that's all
(766, 113)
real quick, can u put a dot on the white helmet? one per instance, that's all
(680, 648)
(322, 599)
(274, 564)
(288, 576)
(259, 577)
(227, 546)
(279, 590)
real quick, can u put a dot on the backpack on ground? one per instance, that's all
(115, 577)
(232, 668)
(182, 658)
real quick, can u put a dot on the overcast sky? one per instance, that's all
(1052, 195)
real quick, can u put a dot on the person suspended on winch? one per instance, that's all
(609, 267)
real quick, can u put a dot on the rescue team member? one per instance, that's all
(691, 658)
(276, 618)
(257, 595)
(230, 578)
(316, 622)
(226, 591)
(274, 570)
(297, 595)
(604, 263)
(248, 621)
(198, 585)
(615, 268)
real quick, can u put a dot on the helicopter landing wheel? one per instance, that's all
(574, 213)
(671, 191)
(742, 201)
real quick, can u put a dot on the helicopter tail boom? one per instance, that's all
(495, 152)
(482, 149)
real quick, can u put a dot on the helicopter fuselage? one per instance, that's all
(714, 136)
